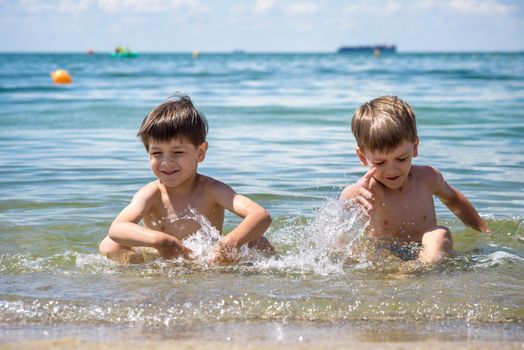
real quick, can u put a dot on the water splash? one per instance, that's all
(320, 274)
(331, 242)
(497, 258)
(323, 245)
(202, 242)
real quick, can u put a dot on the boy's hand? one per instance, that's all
(226, 252)
(174, 248)
(364, 197)
(485, 228)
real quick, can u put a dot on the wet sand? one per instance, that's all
(268, 335)
(70, 343)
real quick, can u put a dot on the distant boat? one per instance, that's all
(368, 49)
(121, 51)
(124, 54)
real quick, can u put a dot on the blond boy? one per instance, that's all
(397, 195)
(174, 135)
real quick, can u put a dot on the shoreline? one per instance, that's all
(68, 343)
(267, 335)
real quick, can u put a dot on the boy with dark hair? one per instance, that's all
(174, 135)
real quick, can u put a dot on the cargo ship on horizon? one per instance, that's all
(368, 49)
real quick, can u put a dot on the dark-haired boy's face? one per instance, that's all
(175, 162)
(392, 167)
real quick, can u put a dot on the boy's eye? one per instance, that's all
(179, 152)
(377, 163)
(402, 159)
(156, 153)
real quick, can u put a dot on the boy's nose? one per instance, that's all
(391, 170)
(168, 160)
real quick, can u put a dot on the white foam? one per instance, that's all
(324, 244)
(497, 258)
(203, 241)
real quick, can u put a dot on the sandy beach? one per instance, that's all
(69, 343)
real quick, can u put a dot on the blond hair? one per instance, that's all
(383, 124)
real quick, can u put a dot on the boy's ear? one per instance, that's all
(202, 149)
(415, 148)
(361, 157)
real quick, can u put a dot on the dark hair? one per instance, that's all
(383, 124)
(177, 117)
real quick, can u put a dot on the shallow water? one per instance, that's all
(279, 133)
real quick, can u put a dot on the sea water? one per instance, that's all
(279, 134)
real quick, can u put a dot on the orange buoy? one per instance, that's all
(61, 76)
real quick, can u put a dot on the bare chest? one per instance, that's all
(404, 215)
(182, 217)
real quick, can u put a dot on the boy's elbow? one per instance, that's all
(113, 231)
(265, 217)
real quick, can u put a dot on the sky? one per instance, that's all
(260, 25)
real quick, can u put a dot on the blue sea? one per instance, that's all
(279, 134)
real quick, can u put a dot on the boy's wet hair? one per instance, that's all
(175, 118)
(383, 124)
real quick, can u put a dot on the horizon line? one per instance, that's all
(241, 51)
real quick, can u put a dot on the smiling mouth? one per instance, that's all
(393, 178)
(169, 172)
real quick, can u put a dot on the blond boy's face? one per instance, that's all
(393, 167)
(175, 162)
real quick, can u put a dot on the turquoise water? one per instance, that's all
(279, 133)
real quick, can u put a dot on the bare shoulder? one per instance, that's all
(217, 192)
(141, 204)
(349, 192)
(148, 193)
(213, 186)
(367, 181)
(426, 171)
(428, 175)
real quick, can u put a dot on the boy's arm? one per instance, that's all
(256, 219)
(126, 231)
(459, 204)
(360, 191)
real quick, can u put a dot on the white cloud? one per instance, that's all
(479, 7)
(262, 6)
(466, 7)
(426, 3)
(60, 6)
(74, 6)
(302, 8)
(35, 5)
(389, 7)
(151, 6)
(113, 6)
